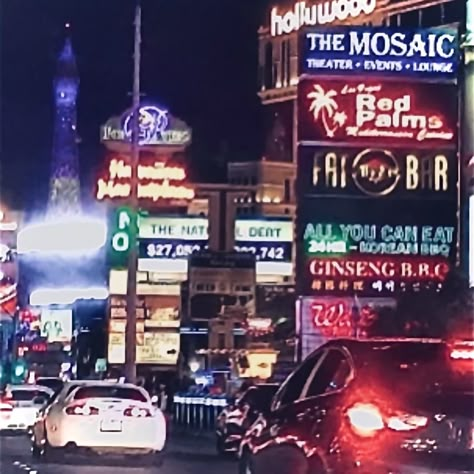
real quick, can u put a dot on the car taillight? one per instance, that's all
(81, 410)
(5, 407)
(136, 412)
(366, 420)
(462, 351)
(406, 422)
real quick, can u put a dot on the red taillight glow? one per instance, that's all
(137, 412)
(462, 354)
(81, 410)
(5, 407)
(406, 422)
(365, 419)
(462, 350)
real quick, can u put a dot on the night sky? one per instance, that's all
(199, 58)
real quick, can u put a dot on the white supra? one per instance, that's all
(101, 416)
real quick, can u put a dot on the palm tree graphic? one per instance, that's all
(323, 105)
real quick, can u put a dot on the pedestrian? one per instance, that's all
(162, 398)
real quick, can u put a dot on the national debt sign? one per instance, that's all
(431, 54)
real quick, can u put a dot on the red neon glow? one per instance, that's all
(157, 181)
(385, 268)
(332, 319)
(373, 112)
(8, 296)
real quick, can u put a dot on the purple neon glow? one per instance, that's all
(153, 122)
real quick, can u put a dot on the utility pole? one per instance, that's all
(131, 325)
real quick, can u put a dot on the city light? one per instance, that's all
(319, 14)
(75, 235)
(66, 296)
(157, 181)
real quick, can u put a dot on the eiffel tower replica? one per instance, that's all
(64, 186)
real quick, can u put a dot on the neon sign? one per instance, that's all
(371, 113)
(374, 275)
(320, 14)
(157, 127)
(156, 182)
(372, 239)
(430, 53)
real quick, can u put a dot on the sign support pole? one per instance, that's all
(131, 325)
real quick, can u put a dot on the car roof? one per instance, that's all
(361, 348)
(99, 383)
(29, 387)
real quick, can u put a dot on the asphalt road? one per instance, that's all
(183, 457)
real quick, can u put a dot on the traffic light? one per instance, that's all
(19, 371)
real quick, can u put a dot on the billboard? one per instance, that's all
(56, 325)
(177, 238)
(378, 172)
(158, 181)
(361, 248)
(371, 112)
(156, 125)
(172, 237)
(429, 54)
(326, 317)
(152, 348)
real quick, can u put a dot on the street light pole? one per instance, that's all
(131, 325)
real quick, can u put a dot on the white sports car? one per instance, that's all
(20, 405)
(102, 417)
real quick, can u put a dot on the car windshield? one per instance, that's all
(123, 393)
(24, 395)
(411, 367)
(54, 384)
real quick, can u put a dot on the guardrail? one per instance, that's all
(197, 413)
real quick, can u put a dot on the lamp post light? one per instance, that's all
(131, 324)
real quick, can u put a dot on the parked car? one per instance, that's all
(102, 418)
(235, 419)
(370, 407)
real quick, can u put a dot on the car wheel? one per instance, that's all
(220, 446)
(246, 464)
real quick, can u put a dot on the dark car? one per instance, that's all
(234, 420)
(56, 384)
(370, 407)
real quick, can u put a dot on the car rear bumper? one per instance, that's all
(147, 435)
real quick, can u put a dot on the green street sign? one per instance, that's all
(123, 225)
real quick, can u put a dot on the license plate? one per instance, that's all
(111, 425)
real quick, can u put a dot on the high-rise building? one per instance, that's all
(64, 186)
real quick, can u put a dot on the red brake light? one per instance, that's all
(5, 407)
(463, 350)
(137, 412)
(406, 422)
(81, 410)
(365, 419)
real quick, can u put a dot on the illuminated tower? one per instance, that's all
(64, 187)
